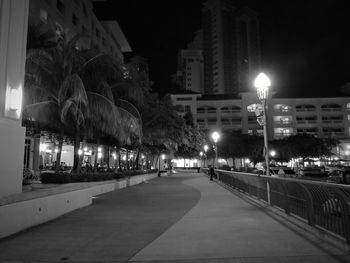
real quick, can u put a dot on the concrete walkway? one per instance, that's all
(179, 218)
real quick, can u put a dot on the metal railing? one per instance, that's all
(325, 206)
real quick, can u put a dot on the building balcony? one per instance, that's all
(331, 109)
(283, 123)
(306, 121)
(332, 121)
(305, 109)
(282, 135)
(337, 134)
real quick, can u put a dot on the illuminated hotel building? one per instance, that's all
(322, 117)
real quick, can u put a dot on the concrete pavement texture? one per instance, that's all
(183, 218)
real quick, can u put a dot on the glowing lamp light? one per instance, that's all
(14, 100)
(56, 150)
(215, 136)
(247, 161)
(80, 152)
(85, 149)
(99, 149)
(273, 153)
(206, 147)
(124, 158)
(262, 84)
(163, 156)
(201, 153)
(99, 155)
(347, 152)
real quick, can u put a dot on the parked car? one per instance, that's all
(339, 177)
(313, 172)
(281, 171)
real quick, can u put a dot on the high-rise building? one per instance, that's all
(231, 48)
(73, 17)
(190, 69)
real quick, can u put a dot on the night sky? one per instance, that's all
(305, 46)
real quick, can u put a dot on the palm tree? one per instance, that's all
(66, 93)
(39, 37)
(55, 94)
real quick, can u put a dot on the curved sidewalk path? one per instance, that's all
(179, 218)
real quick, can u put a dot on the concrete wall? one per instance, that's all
(11, 157)
(13, 38)
(22, 211)
(22, 214)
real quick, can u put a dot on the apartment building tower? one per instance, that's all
(231, 48)
(68, 18)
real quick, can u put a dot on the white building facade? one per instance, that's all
(322, 117)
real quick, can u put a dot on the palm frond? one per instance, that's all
(73, 89)
(43, 112)
(105, 90)
(102, 113)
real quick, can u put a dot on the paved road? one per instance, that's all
(179, 218)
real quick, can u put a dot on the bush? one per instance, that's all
(62, 178)
(54, 178)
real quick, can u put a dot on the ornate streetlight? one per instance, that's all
(262, 84)
(206, 147)
(216, 136)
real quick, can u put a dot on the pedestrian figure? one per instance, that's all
(212, 173)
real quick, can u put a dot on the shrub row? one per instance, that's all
(62, 178)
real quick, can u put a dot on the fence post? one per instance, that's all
(309, 205)
(268, 192)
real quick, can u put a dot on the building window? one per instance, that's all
(331, 107)
(183, 98)
(179, 108)
(187, 108)
(211, 110)
(253, 107)
(43, 15)
(60, 6)
(211, 121)
(305, 108)
(200, 110)
(252, 120)
(225, 121)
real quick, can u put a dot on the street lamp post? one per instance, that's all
(201, 156)
(262, 83)
(215, 136)
(163, 157)
(206, 147)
